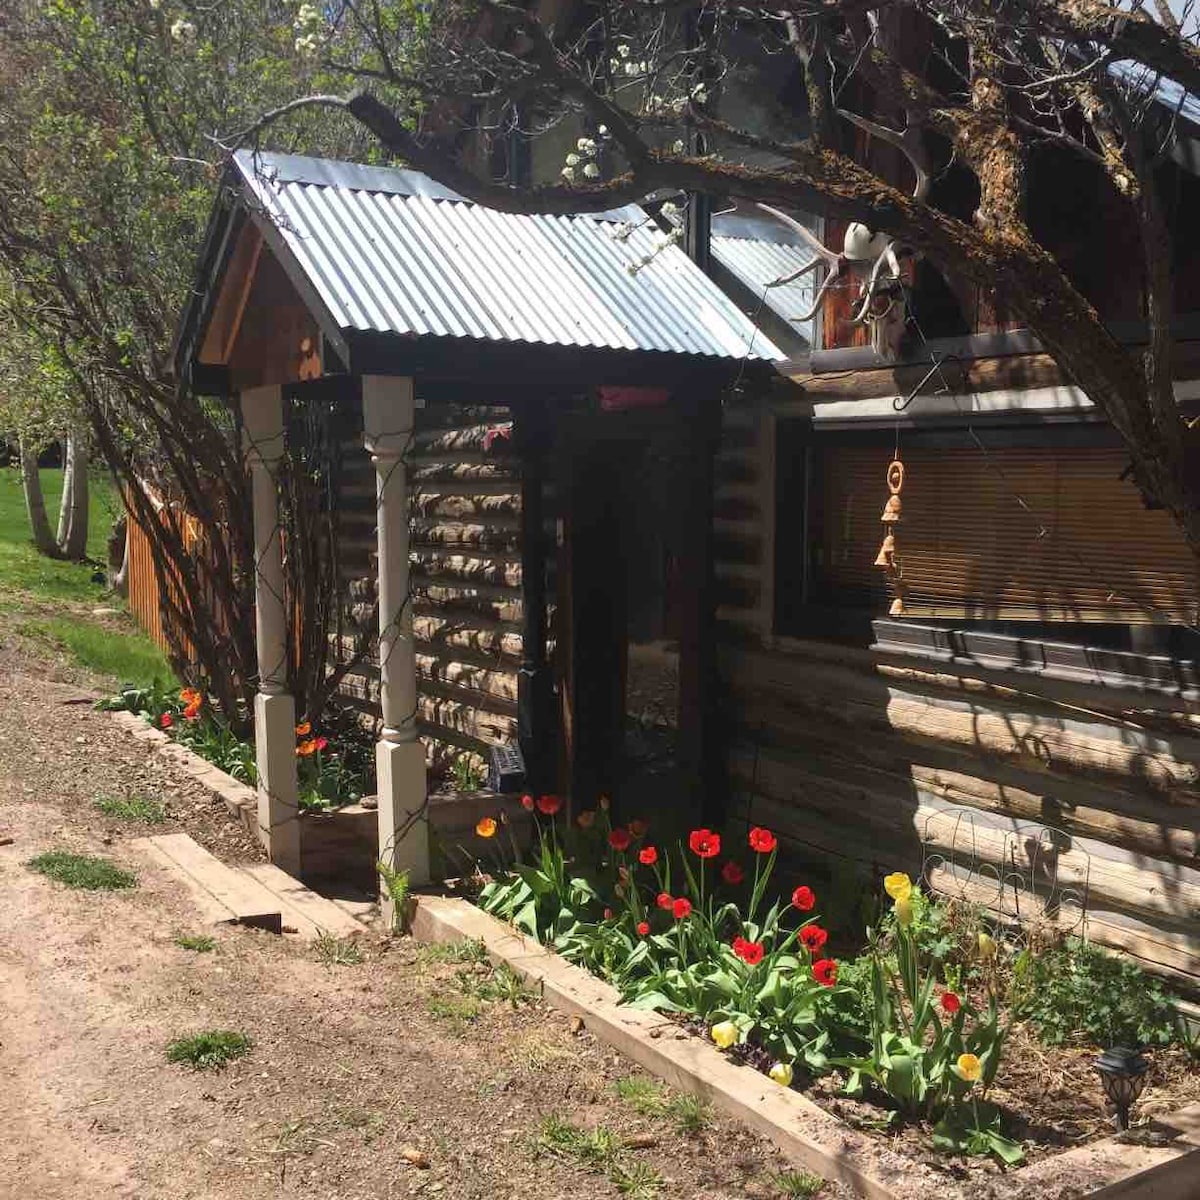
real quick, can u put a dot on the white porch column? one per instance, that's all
(274, 708)
(399, 757)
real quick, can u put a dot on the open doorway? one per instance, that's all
(623, 612)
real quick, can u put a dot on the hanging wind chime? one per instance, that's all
(886, 558)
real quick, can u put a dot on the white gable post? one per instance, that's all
(388, 414)
(274, 707)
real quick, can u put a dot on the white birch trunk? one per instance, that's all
(73, 515)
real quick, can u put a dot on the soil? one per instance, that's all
(355, 1070)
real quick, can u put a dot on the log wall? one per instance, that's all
(465, 485)
(885, 760)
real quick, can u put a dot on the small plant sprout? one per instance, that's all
(334, 951)
(469, 950)
(200, 943)
(133, 808)
(209, 1050)
(798, 1185)
(83, 871)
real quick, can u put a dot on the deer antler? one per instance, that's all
(888, 256)
(908, 141)
(830, 257)
(832, 261)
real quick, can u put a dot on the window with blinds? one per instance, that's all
(1047, 533)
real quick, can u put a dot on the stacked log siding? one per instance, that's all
(885, 760)
(465, 503)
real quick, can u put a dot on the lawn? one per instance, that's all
(32, 585)
(22, 568)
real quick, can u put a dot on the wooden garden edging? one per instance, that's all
(805, 1132)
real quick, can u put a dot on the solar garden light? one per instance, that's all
(1122, 1075)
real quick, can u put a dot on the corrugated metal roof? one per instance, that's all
(1166, 91)
(758, 263)
(393, 252)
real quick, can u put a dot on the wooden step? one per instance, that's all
(223, 894)
(303, 909)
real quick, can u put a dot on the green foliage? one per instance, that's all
(329, 776)
(200, 943)
(397, 885)
(599, 1150)
(684, 965)
(216, 743)
(636, 1179)
(593, 1147)
(209, 1050)
(133, 808)
(1081, 992)
(83, 871)
(457, 1010)
(927, 1053)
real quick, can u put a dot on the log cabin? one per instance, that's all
(644, 542)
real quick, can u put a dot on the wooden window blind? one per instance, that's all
(1084, 549)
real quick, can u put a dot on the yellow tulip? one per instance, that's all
(904, 913)
(898, 885)
(486, 827)
(724, 1033)
(782, 1074)
(968, 1068)
(987, 947)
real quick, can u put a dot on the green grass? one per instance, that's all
(502, 983)
(471, 950)
(600, 1150)
(458, 1011)
(209, 1050)
(125, 657)
(30, 582)
(201, 943)
(334, 951)
(799, 1185)
(651, 1099)
(133, 808)
(83, 871)
(22, 568)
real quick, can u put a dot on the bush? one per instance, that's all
(1081, 992)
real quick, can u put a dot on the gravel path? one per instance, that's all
(356, 1068)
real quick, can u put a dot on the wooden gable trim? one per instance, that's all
(230, 306)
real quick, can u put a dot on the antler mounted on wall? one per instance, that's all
(861, 245)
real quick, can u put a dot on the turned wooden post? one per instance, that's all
(388, 414)
(274, 707)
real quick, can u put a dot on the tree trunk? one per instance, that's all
(64, 503)
(35, 503)
(73, 517)
(119, 557)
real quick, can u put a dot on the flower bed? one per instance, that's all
(918, 1034)
(331, 773)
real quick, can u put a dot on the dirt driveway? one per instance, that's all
(355, 1067)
